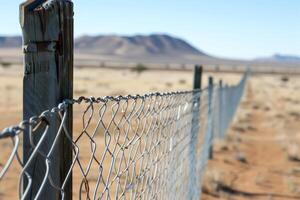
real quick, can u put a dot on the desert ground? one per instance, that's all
(258, 159)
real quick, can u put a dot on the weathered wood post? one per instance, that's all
(194, 132)
(210, 114)
(47, 27)
(197, 77)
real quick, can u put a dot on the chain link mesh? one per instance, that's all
(153, 146)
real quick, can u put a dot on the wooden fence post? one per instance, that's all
(197, 77)
(47, 27)
(210, 114)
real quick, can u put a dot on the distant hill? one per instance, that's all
(138, 45)
(152, 49)
(128, 46)
(10, 42)
(280, 58)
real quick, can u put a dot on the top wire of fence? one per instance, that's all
(152, 146)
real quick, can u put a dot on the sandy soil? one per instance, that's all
(258, 159)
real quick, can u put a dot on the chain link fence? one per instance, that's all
(152, 146)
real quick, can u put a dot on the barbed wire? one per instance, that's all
(152, 146)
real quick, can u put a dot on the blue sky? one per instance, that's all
(231, 28)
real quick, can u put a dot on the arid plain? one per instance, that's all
(258, 159)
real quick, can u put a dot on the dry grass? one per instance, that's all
(87, 82)
(293, 151)
(267, 120)
(215, 181)
(262, 148)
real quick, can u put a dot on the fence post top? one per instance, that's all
(197, 77)
(210, 80)
(198, 68)
(221, 83)
(30, 5)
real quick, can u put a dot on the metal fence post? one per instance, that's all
(210, 114)
(47, 27)
(220, 106)
(194, 133)
(227, 106)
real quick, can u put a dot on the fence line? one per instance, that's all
(152, 146)
(128, 147)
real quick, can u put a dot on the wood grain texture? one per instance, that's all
(47, 28)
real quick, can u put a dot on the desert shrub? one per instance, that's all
(5, 64)
(9, 87)
(241, 157)
(294, 114)
(293, 152)
(139, 68)
(255, 107)
(102, 65)
(182, 81)
(239, 128)
(285, 79)
(216, 183)
(168, 84)
(80, 91)
(153, 89)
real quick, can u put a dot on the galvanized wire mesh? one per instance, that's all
(225, 102)
(153, 146)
